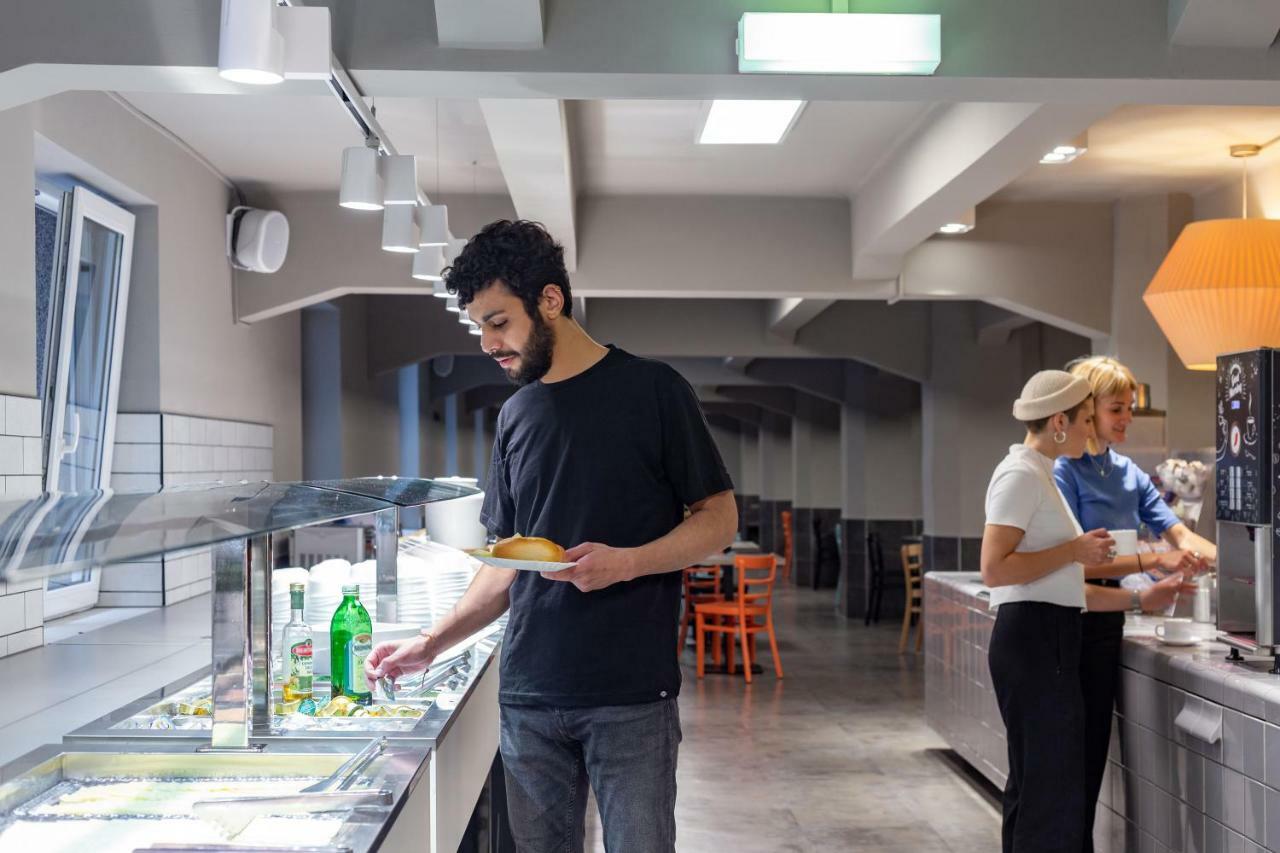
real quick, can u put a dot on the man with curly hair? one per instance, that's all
(603, 451)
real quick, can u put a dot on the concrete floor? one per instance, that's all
(836, 756)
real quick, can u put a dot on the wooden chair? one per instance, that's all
(701, 586)
(912, 573)
(757, 574)
(788, 544)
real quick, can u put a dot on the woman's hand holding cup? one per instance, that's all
(1189, 563)
(1094, 548)
(1163, 593)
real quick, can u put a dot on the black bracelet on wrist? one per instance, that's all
(1140, 568)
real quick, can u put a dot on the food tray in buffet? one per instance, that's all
(179, 712)
(143, 796)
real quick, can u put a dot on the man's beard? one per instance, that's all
(535, 358)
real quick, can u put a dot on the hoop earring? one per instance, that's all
(1059, 437)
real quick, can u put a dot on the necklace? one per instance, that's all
(1104, 470)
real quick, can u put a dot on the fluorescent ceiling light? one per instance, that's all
(838, 43)
(748, 122)
(361, 187)
(961, 224)
(1066, 152)
(399, 229)
(399, 179)
(433, 223)
(428, 263)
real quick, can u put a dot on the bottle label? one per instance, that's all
(358, 649)
(301, 667)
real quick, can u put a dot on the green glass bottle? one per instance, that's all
(350, 642)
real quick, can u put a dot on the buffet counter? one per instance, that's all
(1195, 755)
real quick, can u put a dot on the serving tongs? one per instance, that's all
(435, 675)
(342, 778)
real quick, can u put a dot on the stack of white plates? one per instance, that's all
(280, 605)
(366, 574)
(324, 592)
(414, 602)
(432, 579)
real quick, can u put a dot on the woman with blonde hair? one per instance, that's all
(1033, 560)
(1106, 490)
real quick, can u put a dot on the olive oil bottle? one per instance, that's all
(296, 639)
(350, 642)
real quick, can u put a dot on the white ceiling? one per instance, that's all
(625, 147)
(1154, 149)
(294, 142)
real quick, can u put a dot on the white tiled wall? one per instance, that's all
(166, 449)
(21, 604)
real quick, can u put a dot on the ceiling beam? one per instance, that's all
(995, 325)
(789, 315)
(967, 152)
(747, 413)
(772, 398)
(497, 24)
(531, 139)
(1239, 24)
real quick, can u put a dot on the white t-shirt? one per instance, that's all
(1023, 494)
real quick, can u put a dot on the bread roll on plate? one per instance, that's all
(527, 553)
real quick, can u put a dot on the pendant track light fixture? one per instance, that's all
(475, 330)
(262, 44)
(399, 180)
(451, 304)
(361, 187)
(433, 223)
(428, 263)
(399, 229)
(439, 291)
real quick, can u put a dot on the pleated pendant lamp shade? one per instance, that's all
(1218, 290)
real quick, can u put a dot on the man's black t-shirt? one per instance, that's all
(611, 455)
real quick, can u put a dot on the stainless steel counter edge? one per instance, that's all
(1201, 669)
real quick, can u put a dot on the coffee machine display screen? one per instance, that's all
(1243, 471)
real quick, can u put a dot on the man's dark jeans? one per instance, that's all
(626, 752)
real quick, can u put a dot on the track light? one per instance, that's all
(399, 229)
(428, 263)
(361, 187)
(433, 225)
(454, 249)
(400, 180)
(451, 304)
(475, 330)
(261, 43)
(439, 291)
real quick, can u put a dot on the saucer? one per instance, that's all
(1190, 641)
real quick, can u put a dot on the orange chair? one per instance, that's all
(912, 573)
(701, 586)
(788, 544)
(757, 574)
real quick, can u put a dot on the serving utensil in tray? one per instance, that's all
(233, 814)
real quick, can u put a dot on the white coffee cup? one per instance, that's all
(1177, 631)
(1126, 542)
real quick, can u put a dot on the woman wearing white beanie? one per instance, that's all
(1033, 559)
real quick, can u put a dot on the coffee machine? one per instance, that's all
(1248, 408)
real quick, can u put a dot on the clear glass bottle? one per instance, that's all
(297, 645)
(350, 642)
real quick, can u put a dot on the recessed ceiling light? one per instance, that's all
(961, 224)
(748, 122)
(1066, 152)
(838, 43)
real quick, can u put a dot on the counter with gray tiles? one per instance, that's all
(1195, 755)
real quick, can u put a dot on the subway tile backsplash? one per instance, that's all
(152, 450)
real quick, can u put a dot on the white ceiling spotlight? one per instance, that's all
(361, 187)
(439, 291)
(399, 180)
(475, 330)
(433, 223)
(399, 229)
(1066, 152)
(961, 224)
(261, 43)
(451, 304)
(748, 122)
(428, 263)
(454, 249)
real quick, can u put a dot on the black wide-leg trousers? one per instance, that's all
(1035, 668)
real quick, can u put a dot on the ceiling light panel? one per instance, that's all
(748, 122)
(838, 43)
